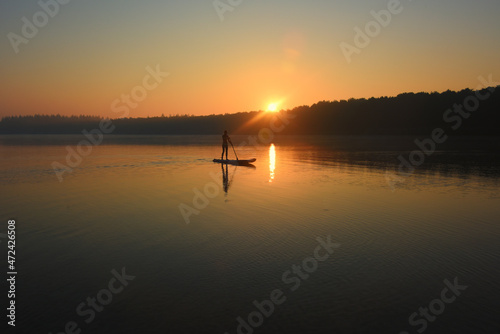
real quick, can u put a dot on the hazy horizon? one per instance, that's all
(173, 114)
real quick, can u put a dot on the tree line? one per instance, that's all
(407, 113)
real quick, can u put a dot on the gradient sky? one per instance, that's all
(93, 51)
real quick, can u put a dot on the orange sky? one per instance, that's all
(90, 54)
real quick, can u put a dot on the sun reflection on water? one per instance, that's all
(272, 162)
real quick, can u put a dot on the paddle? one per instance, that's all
(234, 151)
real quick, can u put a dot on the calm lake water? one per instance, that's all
(202, 241)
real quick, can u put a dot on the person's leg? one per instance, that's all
(222, 155)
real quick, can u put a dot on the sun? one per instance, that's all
(272, 107)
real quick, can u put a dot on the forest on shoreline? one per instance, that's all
(466, 112)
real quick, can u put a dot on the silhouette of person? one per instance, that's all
(225, 140)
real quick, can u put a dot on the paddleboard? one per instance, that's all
(235, 162)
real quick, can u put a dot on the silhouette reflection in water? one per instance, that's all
(226, 181)
(225, 177)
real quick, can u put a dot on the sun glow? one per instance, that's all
(272, 107)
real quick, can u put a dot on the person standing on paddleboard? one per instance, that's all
(225, 140)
